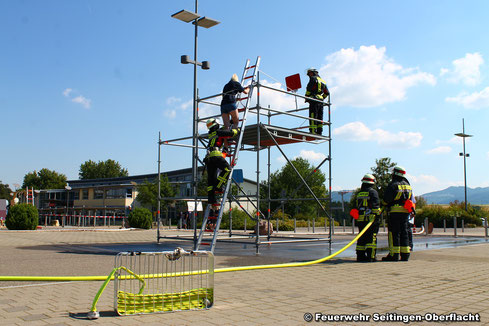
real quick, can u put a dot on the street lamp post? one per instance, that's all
(68, 188)
(465, 155)
(197, 20)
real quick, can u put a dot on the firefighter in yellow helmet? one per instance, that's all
(316, 90)
(368, 207)
(398, 200)
(215, 159)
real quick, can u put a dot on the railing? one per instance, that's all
(82, 220)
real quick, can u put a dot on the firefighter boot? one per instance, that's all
(361, 257)
(404, 257)
(389, 257)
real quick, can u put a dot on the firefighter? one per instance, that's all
(368, 206)
(215, 159)
(397, 198)
(316, 89)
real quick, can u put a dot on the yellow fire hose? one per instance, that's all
(219, 270)
(93, 314)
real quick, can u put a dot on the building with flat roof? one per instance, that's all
(117, 196)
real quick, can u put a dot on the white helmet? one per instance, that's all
(399, 171)
(211, 123)
(368, 178)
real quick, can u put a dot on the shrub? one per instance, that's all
(22, 217)
(436, 214)
(140, 218)
(238, 220)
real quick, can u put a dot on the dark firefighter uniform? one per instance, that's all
(368, 205)
(395, 196)
(316, 89)
(215, 160)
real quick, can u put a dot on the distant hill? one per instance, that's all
(476, 196)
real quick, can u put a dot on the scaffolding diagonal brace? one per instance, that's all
(297, 172)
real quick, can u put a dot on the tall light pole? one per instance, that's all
(465, 155)
(68, 188)
(197, 20)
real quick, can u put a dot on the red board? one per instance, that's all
(293, 82)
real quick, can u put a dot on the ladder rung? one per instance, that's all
(251, 67)
(243, 98)
(248, 77)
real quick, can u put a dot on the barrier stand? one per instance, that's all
(485, 226)
(426, 226)
(313, 225)
(454, 226)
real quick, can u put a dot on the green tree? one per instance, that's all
(101, 170)
(44, 179)
(147, 193)
(287, 182)
(382, 172)
(5, 191)
(420, 202)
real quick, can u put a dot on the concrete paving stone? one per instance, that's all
(33, 317)
(10, 321)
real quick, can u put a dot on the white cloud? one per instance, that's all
(465, 70)
(440, 150)
(67, 92)
(85, 102)
(368, 78)
(176, 107)
(80, 99)
(170, 114)
(357, 131)
(476, 100)
(276, 100)
(311, 155)
(281, 159)
(423, 183)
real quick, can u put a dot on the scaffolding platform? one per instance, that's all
(282, 136)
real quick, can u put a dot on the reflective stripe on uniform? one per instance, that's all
(215, 153)
(405, 250)
(398, 209)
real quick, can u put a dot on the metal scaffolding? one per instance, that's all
(256, 137)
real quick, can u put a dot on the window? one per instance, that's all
(128, 192)
(115, 193)
(76, 195)
(85, 194)
(98, 194)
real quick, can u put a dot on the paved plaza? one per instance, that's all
(442, 283)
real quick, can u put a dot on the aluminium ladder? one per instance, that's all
(249, 75)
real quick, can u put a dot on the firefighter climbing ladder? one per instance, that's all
(254, 137)
(249, 74)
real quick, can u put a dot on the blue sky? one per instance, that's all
(98, 79)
